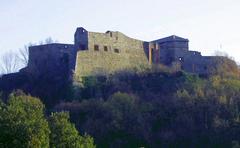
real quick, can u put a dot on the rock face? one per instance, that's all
(105, 53)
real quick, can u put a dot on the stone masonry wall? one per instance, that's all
(106, 53)
(114, 52)
(51, 59)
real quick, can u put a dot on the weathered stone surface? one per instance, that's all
(105, 53)
(115, 52)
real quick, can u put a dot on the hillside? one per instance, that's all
(150, 109)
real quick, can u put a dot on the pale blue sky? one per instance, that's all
(208, 24)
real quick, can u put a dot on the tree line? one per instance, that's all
(23, 123)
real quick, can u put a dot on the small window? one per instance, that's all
(181, 59)
(116, 50)
(82, 31)
(105, 48)
(96, 47)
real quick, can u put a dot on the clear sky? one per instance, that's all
(209, 24)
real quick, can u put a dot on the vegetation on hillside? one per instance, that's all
(158, 110)
(23, 123)
(158, 107)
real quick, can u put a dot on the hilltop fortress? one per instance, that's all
(105, 53)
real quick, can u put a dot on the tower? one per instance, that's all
(81, 39)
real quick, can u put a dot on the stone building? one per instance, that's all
(105, 53)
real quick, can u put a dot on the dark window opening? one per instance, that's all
(116, 50)
(96, 47)
(105, 48)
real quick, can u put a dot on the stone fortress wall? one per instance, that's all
(105, 53)
(109, 52)
(51, 59)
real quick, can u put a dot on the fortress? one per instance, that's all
(105, 53)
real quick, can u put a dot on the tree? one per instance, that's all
(22, 122)
(64, 134)
(24, 54)
(49, 40)
(9, 63)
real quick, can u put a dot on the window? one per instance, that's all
(116, 50)
(96, 47)
(82, 31)
(181, 59)
(105, 48)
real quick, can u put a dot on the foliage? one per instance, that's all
(64, 134)
(146, 109)
(224, 67)
(22, 123)
(156, 109)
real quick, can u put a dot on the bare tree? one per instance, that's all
(49, 40)
(9, 63)
(23, 55)
(24, 52)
